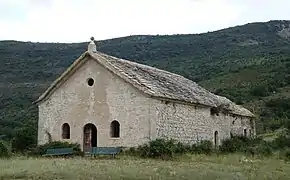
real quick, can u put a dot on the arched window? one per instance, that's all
(65, 131)
(115, 129)
(245, 132)
(216, 138)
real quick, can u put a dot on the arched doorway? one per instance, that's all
(90, 137)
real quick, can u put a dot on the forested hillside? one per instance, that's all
(249, 64)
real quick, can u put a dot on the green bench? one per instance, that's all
(59, 151)
(105, 151)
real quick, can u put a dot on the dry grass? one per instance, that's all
(189, 167)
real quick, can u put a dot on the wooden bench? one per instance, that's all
(58, 151)
(105, 151)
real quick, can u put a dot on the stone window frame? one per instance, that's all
(115, 129)
(65, 131)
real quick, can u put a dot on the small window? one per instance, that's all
(115, 129)
(245, 132)
(91, 82)
(250, 132)
(65, 131)
(216, 138)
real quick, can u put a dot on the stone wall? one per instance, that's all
(241, 125)
(110, 98)
(141, 118)
(190, 124)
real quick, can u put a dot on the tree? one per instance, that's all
(24, 139)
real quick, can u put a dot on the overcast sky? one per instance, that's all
(78, 20)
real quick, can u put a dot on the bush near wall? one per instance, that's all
(167, 149)
(242, 144)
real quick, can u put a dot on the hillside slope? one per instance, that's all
(249, 64)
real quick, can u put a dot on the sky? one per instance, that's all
(77, 20)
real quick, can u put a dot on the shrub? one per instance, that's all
(4, 151)
(245, 144)
(262, 149)
(285, 154)
(144, 151)
(40, 150)
(281, 142)
(182, 148)
(167, 149)
(234, 144)
(159, 148)
(25, 138)
(132, 151)
(202, 147)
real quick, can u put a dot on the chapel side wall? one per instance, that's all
(111, 98)
(190, 124)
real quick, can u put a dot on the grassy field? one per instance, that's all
(188, 167)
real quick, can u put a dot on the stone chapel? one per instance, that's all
(101, 100)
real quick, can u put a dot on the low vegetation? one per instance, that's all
(169, 149)
(237, 158)
(254, 147)
(222, 167)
